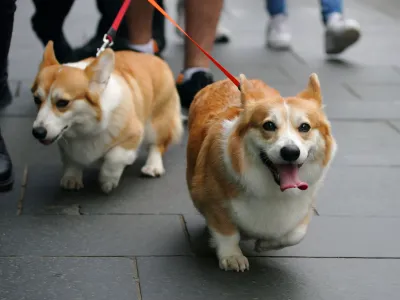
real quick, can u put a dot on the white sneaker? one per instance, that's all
(279, 36)
(222, 35)
(340, 33)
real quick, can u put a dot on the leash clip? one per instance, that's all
(107, 42)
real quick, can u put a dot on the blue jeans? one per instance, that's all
(276, 7)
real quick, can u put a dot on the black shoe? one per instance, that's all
(188, 89)
(90, 48)
(6, 174)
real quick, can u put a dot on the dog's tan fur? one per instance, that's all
(147, 100)
(218, 166)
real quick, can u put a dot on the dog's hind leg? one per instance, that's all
(164, 129)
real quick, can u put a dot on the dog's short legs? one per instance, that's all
(290, 239)
(72, 176)
(228, 251)
(113, 166)
(154, 165)
(225, 238)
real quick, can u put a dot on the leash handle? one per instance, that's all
(108, 39)
(223, 70)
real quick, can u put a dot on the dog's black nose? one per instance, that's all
(39, 132)
(290, 153)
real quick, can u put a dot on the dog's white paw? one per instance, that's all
(266, 245)
(153, 170)
(71, 183)
(108, 184)
(238, 263)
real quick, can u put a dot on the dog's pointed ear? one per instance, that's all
(245, 86)
(49, 58)
(99, 71)
(313, 90)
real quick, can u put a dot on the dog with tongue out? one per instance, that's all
(255, 161)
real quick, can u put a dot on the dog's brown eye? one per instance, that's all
(62, 103)
(304, 127)
(269, 126)
(37, 100)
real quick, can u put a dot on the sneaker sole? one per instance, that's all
(344, 41)
(7, 185)
(276, 47)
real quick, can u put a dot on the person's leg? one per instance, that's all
(47, 23)
(222, 35)
(139, 19)
(278, 31)
(108, 10)
(7, 9)
(201, 24)
(340, 32)
(329, 7)
(276, 7)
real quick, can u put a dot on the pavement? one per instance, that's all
(146, 241)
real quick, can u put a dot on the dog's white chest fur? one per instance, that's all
(85, 151)
(261, 210)
(269, 217)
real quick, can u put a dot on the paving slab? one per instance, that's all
(357, 147)
(10, 201)
(327, 237)
(23, 147)
(354, 110)
(379, 93)
(117, 235)
(396, 125)
(49, 278)
(182, 278)
(135, 194)
(360, 192)
(22, 104)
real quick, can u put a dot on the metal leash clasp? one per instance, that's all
(107, 42)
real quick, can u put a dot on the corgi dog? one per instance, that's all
(255, 161)
(102, 109)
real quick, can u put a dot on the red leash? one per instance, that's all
(110, 36)
(223, 70)
(111, 33)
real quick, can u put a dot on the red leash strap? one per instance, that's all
(111, 33)
(223, 70)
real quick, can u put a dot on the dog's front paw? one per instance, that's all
(71, 183)
(108, 184)
(266, 245)
(153, 170)
(238, 263)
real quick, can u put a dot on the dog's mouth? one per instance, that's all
(285, 175)
(54, 139)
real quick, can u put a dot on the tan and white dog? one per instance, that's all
(254, 163)
(102, 109)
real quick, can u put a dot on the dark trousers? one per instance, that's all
(50, 15)
(7, 9)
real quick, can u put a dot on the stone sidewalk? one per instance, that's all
(146, 241)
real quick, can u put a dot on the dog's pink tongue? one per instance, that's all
(289, 177)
